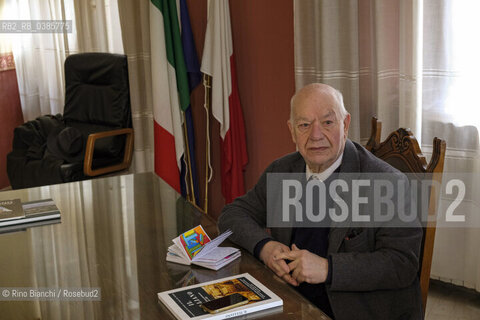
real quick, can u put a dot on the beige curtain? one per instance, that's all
(401, 60)
(366, 49)
(39, 56)
(98, 26)
(134, 19)
(450, 110)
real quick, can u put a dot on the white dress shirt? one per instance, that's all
(322, 176)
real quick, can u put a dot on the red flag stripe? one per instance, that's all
(165, 157)
(234, 148)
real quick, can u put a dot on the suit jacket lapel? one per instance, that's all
(350, 161)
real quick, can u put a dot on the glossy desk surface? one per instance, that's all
(114, 234)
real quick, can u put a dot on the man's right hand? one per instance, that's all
(268, 254)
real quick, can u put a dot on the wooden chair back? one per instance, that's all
(401, 150)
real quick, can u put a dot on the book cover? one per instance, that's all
(10, 209)
(185, 302)
(33, 212)
(193, 240)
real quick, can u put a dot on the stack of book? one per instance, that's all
(16, 215)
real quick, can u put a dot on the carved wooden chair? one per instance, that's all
(401, 150)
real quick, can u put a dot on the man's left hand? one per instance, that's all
(306, 266)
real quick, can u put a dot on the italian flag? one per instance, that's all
(170, 89)
(218, 61)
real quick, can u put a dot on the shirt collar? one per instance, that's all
(322, 176)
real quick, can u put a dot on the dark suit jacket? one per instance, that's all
(374, 275)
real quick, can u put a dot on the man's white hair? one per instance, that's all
(324, 88)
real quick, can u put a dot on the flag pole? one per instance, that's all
(207, 83)
(191, 189)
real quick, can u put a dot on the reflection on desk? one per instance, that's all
(114, 235)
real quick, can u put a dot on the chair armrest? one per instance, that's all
(127, 156)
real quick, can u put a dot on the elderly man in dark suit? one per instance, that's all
(368, 274)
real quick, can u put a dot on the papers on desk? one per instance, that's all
(185, 303)
(196, 247)
(28, 214)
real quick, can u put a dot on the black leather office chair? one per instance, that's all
(94, 136)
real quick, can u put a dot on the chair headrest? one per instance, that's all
(97, 89)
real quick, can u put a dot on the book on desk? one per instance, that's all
(195, 247)
(28, 214)
(185, 303)
(10, 210)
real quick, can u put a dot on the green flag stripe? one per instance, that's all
(180, 67)
(173, 44)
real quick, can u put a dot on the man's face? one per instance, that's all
(318, 129)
